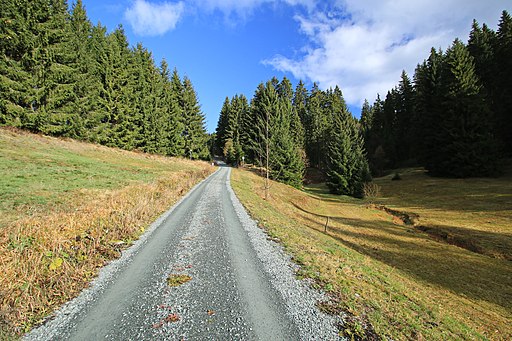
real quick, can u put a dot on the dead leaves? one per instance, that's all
(170, 318)
(175, 280)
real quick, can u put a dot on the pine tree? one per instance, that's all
(503, 76)
(300, 98)
(15, 39)
(315, 127)
(177, 137)
(49, 65)
(285, 162)
(374, 144)
(404, 118)
(347, 167)
(194, 126)
(465, 146)
(222, 124)
(119, 92)
(366, 124)
(171, 120)
(87, 85)
(272, 144)
(427, 81)
(481, 46)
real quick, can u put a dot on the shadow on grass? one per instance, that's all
(458, 270)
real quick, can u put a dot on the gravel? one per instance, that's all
(243, 286)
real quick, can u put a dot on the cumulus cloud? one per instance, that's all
(363, 45)
(152, 19)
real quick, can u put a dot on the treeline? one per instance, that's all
(60, 75)
(455, 117)
(285, 130)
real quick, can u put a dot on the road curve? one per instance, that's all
(242, 285)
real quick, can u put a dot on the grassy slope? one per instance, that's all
(402, 281)
(68, 207)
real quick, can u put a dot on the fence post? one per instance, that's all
(326, 223)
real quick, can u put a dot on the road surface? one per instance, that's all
(241, 287)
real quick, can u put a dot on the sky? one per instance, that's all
(228, 47)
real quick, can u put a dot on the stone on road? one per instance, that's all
(240, 285)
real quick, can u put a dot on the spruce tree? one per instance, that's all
(300, 97)
(347, 167)
(118, 93)
(87, 83)
(465, 145)
(176, 106)
(222, 124)
(315, 128)
(194, 132)
(503, 76)
(15, 44)
(428, 110)
(404, 118)
(271, 138)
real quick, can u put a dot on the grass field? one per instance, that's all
(394, 280)
(66, 209)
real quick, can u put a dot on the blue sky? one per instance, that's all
(228, 47)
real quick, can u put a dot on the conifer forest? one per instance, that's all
(63, 76)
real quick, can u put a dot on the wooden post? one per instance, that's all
(326, 223)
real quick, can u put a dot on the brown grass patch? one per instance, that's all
(50, 251)
(389, 276)
(175, 280)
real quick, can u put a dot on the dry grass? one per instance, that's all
(399, 280)
(86, 204)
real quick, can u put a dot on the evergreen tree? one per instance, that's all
(172, 125)
(87, 83)
(347, 167)
(366, 124)
(222, 124)
(194, 132)
(465, 146)
(428, 110)
(481, 46)
(16, 40)
(176, 106)
(374, 144)
(118, 93)
(271, 137)
(299, 101)
(315, 127)
(404, 117)
(503, 76)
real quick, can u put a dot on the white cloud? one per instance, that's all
(151, 19)
(363, 45)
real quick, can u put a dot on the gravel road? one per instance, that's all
(242, 286)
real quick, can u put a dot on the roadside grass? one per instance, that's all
(391, 280)
(66, 209)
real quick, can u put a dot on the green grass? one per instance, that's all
(66, 209)
(396, 280)
(39, 171)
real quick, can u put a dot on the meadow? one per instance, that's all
(445, 273)
(66, 209)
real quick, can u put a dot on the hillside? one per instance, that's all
(69, 207)
(390, 278)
